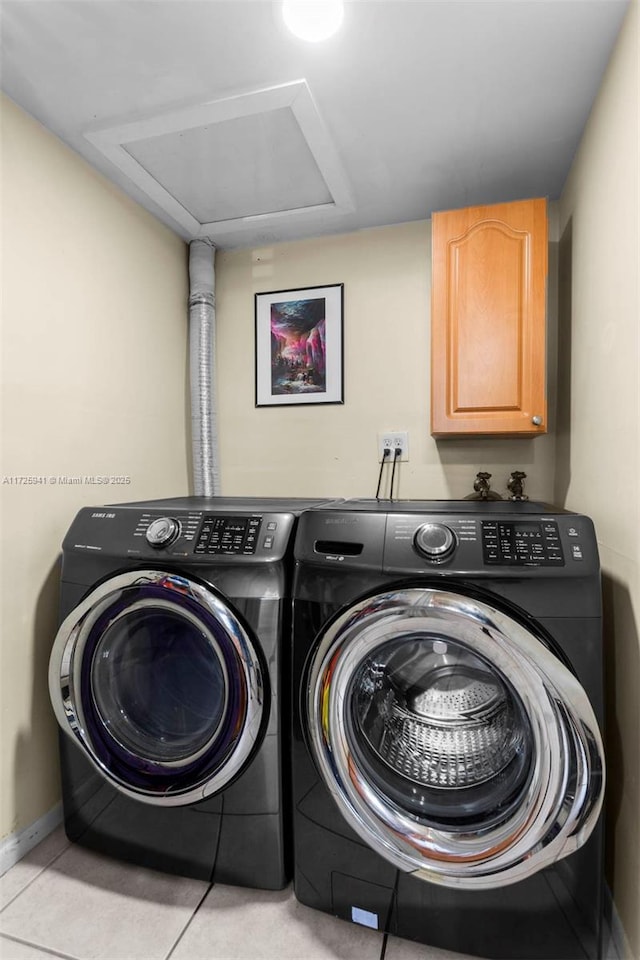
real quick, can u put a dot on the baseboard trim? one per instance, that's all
(619, 940)
(17, 845)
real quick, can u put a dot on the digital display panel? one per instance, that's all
(235, 526)
(527, 528)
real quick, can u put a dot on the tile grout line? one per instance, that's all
(32, 880)
(385, 940)
(29, 943)
(207, 891)
(189, 921)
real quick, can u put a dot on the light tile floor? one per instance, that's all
(64, 901)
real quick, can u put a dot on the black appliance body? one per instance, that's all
(167, 679)
(448, 768)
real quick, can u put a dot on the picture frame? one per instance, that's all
(299, 346)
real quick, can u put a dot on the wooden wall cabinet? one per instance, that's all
(488, 321)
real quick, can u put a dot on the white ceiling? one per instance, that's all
(211, 115)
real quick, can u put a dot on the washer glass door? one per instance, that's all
(161, 685)
(454, 741)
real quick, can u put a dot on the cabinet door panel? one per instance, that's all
(488, 320)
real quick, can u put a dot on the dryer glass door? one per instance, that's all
(454, 741)
(161, 684)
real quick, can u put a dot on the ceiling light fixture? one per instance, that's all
(313, 20)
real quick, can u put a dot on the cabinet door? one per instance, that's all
(488, 320)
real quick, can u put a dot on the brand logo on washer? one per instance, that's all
(103, 516)
(341, 520)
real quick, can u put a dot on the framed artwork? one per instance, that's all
(299, 346)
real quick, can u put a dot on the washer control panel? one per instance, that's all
(494, 545)
(522, 542)
(503, 542)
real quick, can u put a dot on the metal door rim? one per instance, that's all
(568, 748)
(63, 673)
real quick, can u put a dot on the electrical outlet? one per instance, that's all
(391, 440)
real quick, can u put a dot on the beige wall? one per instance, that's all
(599, 421)
(93, 371)
(332, 450)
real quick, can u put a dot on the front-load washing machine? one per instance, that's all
(166, 678)
(448, 767)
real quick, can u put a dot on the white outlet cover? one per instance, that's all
(393, 439)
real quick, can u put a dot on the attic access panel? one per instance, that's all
(223, 164)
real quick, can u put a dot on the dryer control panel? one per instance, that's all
(192, 536)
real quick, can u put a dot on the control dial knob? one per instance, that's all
(162, 531)
(435, 541)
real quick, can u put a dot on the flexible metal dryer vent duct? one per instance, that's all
(202, 318)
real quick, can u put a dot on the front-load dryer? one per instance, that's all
(448, 767)
(166, 678)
